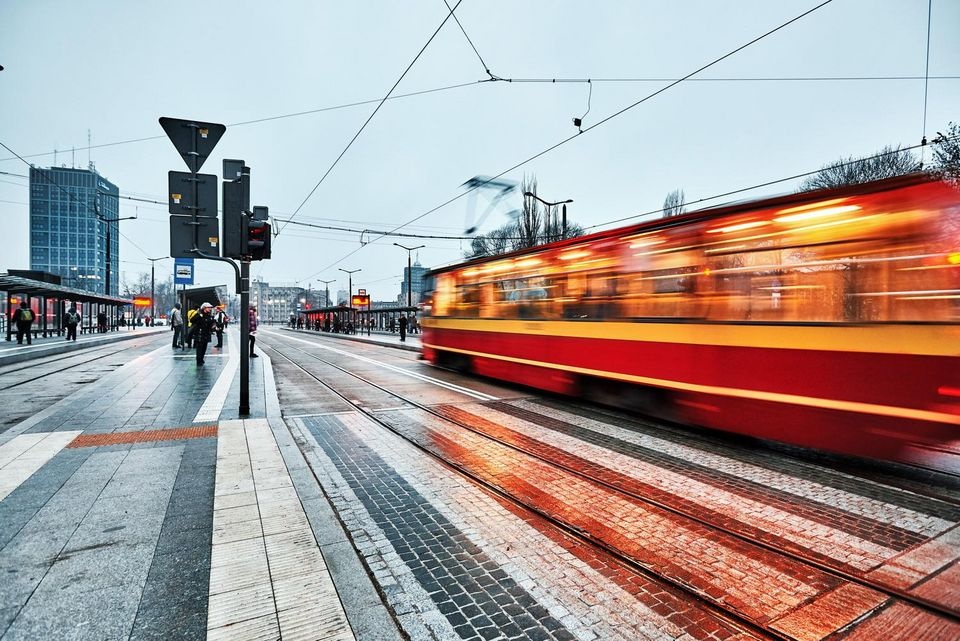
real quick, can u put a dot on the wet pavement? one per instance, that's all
(369, 496)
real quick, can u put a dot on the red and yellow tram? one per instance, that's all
(827, 319)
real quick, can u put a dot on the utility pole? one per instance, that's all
(350, 273)
(563, 233)
(326, 292)
(409, 272)
(108, 222)
(153, 299)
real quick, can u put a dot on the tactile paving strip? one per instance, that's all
(145, 436)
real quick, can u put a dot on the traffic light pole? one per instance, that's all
(244, 337)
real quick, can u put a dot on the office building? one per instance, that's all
(413, 275)
(73, 228)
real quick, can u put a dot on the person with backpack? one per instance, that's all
(70, 320)
(23, 318)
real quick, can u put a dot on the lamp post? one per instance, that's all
(409, 272)
(350, 272)
(326, 291)
(106, 290)
(153, 300)
(561, 202)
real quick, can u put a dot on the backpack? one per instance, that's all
(26, 315)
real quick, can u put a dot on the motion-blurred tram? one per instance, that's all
(826, 319)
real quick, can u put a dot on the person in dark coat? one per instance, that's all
(70, 321)
(203, 325)
(220, 321)
(23, 319)
(253, 330)
(403, 327)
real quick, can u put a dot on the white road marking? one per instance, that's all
(399, 370)
(25, 454)
(212, 406)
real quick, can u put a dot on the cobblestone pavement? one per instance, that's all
(454, 562)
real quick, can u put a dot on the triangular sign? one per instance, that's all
(194, 140)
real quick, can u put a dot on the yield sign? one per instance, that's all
(193, 139)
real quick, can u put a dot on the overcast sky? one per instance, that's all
(114, 68)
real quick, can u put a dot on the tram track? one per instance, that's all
(793, 554)
(59, 361)
(916, 479)
(729, 615)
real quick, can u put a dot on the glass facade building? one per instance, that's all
(68, 232)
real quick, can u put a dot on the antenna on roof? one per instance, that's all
(89, 163)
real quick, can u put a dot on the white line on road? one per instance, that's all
(25, 454)
(213, 405)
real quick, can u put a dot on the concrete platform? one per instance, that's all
(12, 352)
(141, 507)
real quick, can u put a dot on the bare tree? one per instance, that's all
(946, 153)
(530, 225)
(499, 241)
(887, 163)
(673, 204)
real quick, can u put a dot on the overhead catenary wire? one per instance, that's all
(768, 183)
(595, 125)
(370, 117)
(474, 83)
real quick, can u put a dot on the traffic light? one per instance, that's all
(256, 236)
(236, 201)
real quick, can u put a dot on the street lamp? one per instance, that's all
(153, 300)
(326, 300)
(409, 272)
(350, 272)
(106, 290)
(561, 202)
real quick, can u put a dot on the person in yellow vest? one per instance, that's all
(188, 342)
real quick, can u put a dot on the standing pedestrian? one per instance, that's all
(203, 326)
(253, 330)
(176, 323)
(23, 318)
(102, 322)
(403, 328)
(191, 314)
(70, 320)
(220, 320)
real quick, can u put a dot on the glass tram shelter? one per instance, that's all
(342, 319)
(50, 300)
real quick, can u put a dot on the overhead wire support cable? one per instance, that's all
(472, 46)
(724, 79)
(370, 117)
(296, 114)
(599, 123)
(926, 81)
